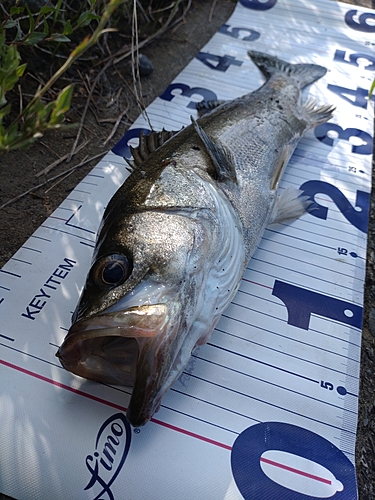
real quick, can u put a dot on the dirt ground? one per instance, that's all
(169, 55)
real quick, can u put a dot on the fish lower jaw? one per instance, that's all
(137, 419)
(156, 378)
(106, 359)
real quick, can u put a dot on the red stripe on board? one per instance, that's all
(255, 283)
(296, 471)
(62, 386)
(191, 434)
(113, 405)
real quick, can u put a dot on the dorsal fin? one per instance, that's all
(221, 156)
(205, 107)
(147, 145)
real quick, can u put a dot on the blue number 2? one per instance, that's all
(359, 218)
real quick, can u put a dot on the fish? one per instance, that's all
(176, 237)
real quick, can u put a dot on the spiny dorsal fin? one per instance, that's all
(205, 107)
(147, 145)
(220, 156)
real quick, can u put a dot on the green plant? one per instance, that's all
(372, 88)
(20, 27)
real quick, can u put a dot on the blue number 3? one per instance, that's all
(321, 133)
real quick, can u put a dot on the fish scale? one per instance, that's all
(176, 237)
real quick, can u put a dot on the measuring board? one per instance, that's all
(268, 407)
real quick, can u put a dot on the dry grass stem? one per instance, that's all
(71, 169)
(115, 127)
(49, 167)
(137, 86)
(114, 99)
(212, 10)
(67, 174)
(21, 100)
(60, 180)
(84, 113)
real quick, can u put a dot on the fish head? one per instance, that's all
(132, 325)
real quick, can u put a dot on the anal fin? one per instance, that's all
(290, 205)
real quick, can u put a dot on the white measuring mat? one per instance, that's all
(268, 407)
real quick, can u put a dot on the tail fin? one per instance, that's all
(302, 74)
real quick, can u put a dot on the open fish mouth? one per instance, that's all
(106, 347)
(136, 347)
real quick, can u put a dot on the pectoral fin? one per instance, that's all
(282, 161)
(221, 157)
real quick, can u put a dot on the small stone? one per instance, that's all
(145, 65)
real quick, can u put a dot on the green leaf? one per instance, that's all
(20, 70)
(372, 88)
(19, 34)
(11, 23)
(46, 10)
(16, 10)
(68, 28)
(34, 38)
(3, 101)
(4, 111)
(57, 11)
(31, 19)
(57, 37)
(85, 18)
(45, 27)
(62, 105)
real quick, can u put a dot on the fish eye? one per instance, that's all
(111, 270)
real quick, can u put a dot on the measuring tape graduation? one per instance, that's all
(283, 361)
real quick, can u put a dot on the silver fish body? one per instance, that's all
(176, 237)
